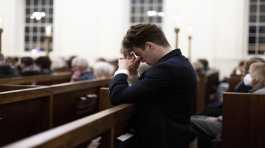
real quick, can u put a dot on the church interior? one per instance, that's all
(57, 58)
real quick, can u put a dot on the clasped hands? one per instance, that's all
(130, 62)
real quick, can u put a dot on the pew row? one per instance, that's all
(244, 120)
(9, 87)
(29, 111)
(206, 90)
(233, 81)
(38, 79)
(109, 124)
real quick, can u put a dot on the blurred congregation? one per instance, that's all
(43, 65)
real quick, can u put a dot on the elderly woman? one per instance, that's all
(81, 70)
(103, 70)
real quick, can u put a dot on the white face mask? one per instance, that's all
(248, 80)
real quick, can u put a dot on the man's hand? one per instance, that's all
(131, 63)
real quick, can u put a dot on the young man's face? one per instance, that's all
(146, 55)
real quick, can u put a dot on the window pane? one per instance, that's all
(261, 48)
(252, 40)
(262, 8)
(262, 18)
(252, 29)
(253, 8)
(261, 39)
(252, 19)
(262, 29)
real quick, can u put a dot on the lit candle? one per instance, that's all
(48, 30)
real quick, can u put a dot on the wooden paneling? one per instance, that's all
(244, 120)
(80, 131)
(46, 105)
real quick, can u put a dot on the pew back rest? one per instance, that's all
(233, 81)
(244, 120)
(75, 100)
(38, 79)
(29, 111)
(23, 113)
(81, 131)
(9, 87)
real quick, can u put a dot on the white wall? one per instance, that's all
(219, 29)
(11, 11)
(94, 29)
(90, 29)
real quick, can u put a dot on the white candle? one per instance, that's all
(48, 30)
(1, 23)
(190, 31)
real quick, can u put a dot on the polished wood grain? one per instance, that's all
(80, 131)
(38, 79)
(244, 120)
(45, 107)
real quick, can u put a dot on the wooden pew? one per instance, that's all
(109, 124)
(38, 79)
(244, 120)
(206, 88)
(30, 111)
(71, 99)
(104, 101)
(199, 102)
(9, 87)
(23, 113)
(211, 85)
(233, 81)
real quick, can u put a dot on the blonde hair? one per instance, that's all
(257, 72)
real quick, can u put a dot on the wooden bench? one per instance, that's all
(29, 111)
(244, 120)
(206, 88)
(9, 87)
(38, 79)
(199, 102)
(233, 81)
(109, 123)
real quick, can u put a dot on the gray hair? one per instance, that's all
(80, 62)
(103, 70)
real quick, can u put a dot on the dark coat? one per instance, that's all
(163, 98)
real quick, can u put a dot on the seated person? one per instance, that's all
(59, 64)
(240, 69)
(103, 70)
(44, 64)
(207, 129)
(81, 70)
(257, 73)
(5, 69)
(205, 64)
(244, 85)
(28, 67)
